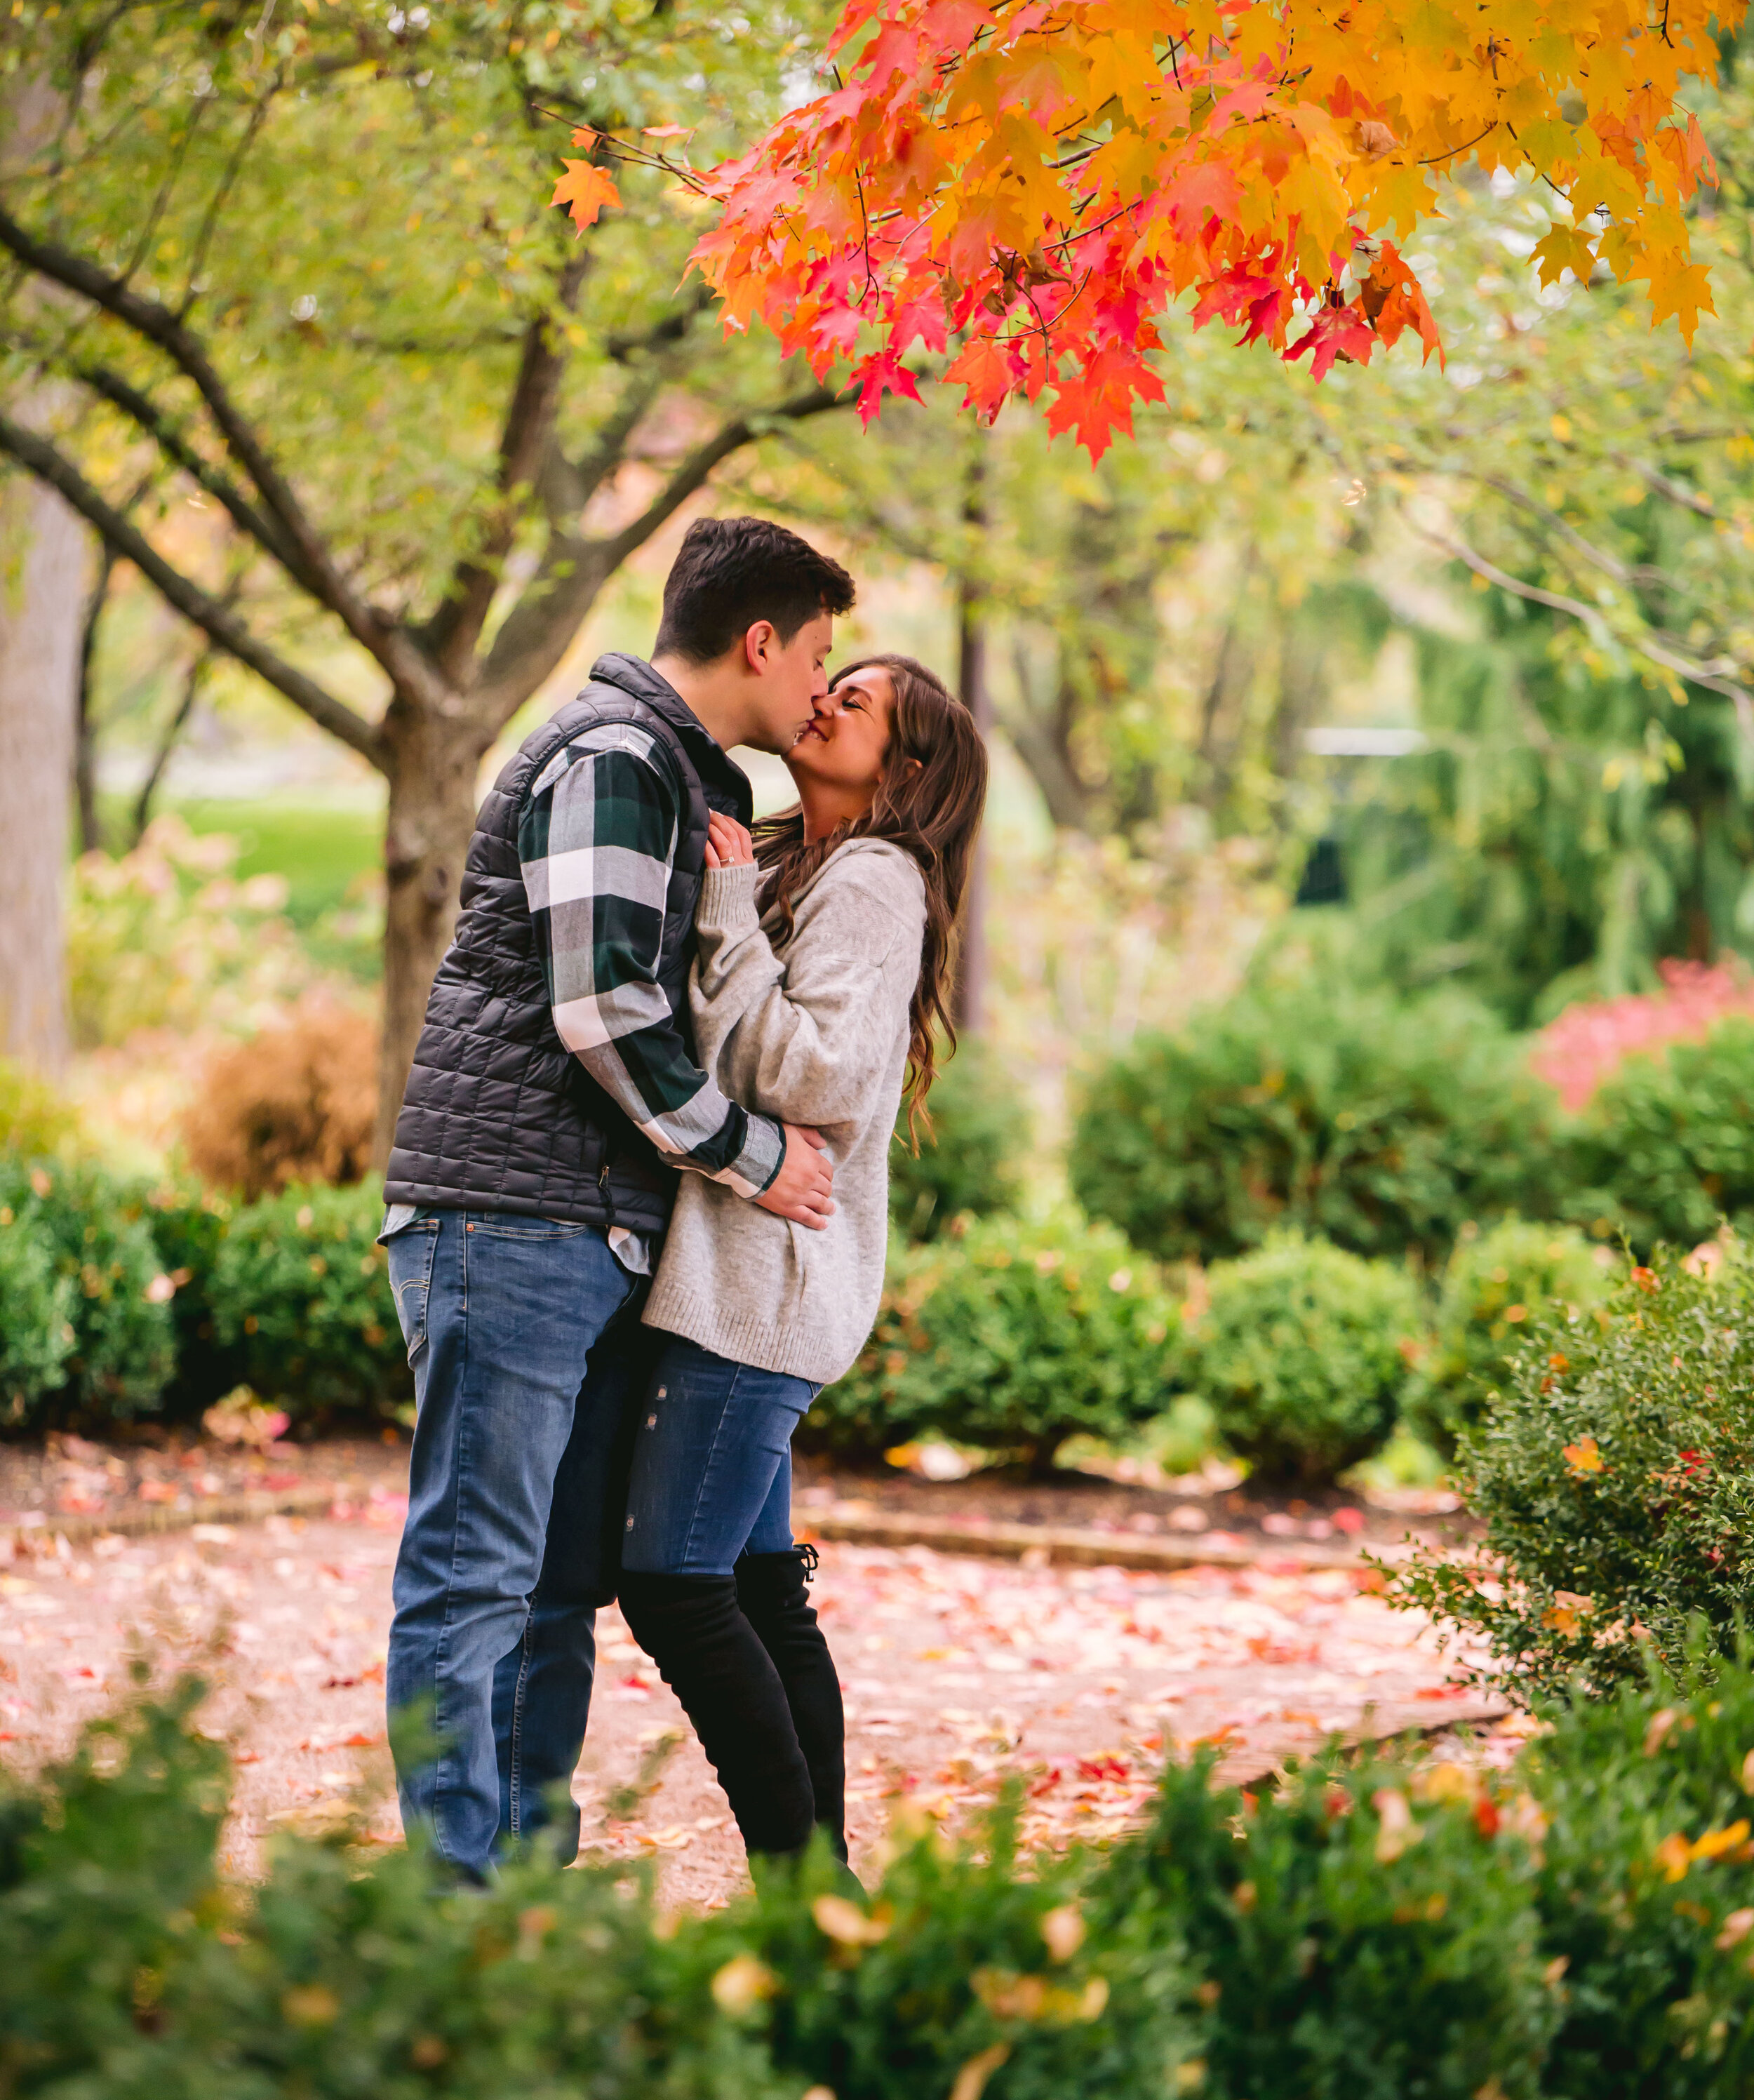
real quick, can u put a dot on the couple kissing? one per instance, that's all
(637, 1207)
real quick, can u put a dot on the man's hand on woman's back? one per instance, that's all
(803, 1190)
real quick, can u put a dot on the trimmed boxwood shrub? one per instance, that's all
(969, 1161)
(1301, 1352)
(1646, 1887)
(1363, 1929)
(1012, 1337)
(189, 1225)
(1665, 1150)
(36, 1322)
(129, 1970)
(1500, 1290)
(1377, 1123)
(94, 1231)
(300, 1290)
(1615, 1479)
(1355, 1927)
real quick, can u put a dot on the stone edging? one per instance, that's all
(1041, 1544)
(1069, 1547)
(246, 1508)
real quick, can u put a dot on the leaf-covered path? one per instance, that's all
(957, 1672)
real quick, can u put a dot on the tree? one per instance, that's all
(296, 268)
(1585, 807)
(1037, 181)
(42, 566)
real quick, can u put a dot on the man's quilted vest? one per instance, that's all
(498, 1115)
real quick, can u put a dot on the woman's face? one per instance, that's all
(844, 745)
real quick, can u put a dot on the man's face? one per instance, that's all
(790, 679)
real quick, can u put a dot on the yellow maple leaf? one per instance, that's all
(1563, 248)
(1682, 289)
(1584, 1457)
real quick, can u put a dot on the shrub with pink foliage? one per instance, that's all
(1579, 1050)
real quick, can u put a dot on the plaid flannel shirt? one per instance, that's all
(596, 839)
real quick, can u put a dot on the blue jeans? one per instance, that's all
(527, 1354)
(711, 1474)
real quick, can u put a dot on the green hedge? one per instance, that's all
(1367, 1927)
(36, 1321)
(1615, 1479)
(1665, 1150)
(1500, 1288)
(120, 1300)
(1010, 1336)
(1378, 1123)
(189, 1224)
(1303, 1353)
(93, 1233)
(971, 1160)
(300, 1290)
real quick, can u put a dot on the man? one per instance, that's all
(554, 1097)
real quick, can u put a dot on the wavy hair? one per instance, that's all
(929, 802)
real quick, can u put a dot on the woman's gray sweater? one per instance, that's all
(813, 1031)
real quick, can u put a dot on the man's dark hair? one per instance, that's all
(733, 571)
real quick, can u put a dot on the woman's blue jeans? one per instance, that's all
(528, 1361)
(711, 1476)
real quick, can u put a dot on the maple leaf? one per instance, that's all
(1682, 290)
(1099, 401)
(584, 189)
(881, 374)
(1335, 332)
(937, 184)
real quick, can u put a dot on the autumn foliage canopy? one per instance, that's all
(1024, 187)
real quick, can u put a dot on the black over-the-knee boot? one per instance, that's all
(773, 1589)
(711, 1656)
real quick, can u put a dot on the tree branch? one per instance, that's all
(693, 471)
(578, 481)
(1646, 644)
(1632, 578)
(538, 629)
(451, 634)
(393, 647)
(140, 409)
(1664, 485)
(216, 621)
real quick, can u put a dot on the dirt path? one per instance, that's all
(957, 1671)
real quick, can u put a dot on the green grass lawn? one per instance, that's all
(321, 850)
(326, 851)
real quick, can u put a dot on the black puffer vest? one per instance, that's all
(499, 1115)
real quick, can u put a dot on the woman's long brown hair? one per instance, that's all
(928, 802)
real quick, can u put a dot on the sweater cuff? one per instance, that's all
(727, 902)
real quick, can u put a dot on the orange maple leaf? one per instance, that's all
(584, 189)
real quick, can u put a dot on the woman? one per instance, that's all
(820, 987)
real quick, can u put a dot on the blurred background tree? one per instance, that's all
(389, 474)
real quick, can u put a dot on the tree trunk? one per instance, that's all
(43, 585)
(968, 1000)
(432, 771)
(968, 994)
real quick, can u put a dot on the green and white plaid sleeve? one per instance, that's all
(597, 839)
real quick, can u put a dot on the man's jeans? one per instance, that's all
(711, 1475)
(528, 1357)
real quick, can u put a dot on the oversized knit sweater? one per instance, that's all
(812, 1030)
